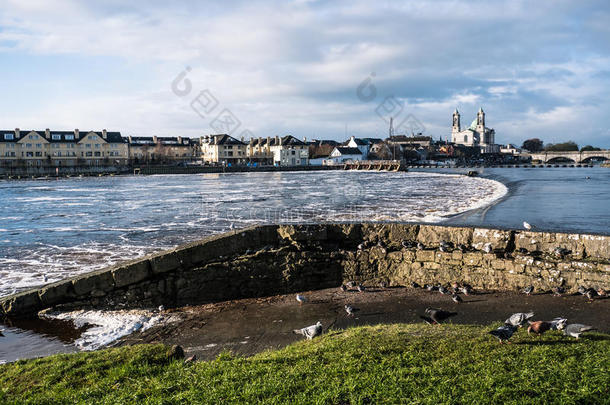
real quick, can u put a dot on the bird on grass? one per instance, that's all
(301, 299)
(519, 319)
(576, 329)
(538, 327)
(528, 290)
(504, 332)
(456, 298)
(310, 332)
(559, 323)
(438, 315)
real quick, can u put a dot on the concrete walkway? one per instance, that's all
(250, 326)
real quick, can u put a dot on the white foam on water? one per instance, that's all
(107, 327)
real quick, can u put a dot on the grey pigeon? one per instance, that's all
(301, 298)
(443, 290)
(428, 320)
(310, 332)
(591, 294)
(360, 288)
(350, 310)
(456, 298)
(466, 289)
(415, 285)
(582, 290)
(519, 319)
(438, 315)
(430, 287)
(576, 329)
(528, 290)
(504, 332)
(557, 291)
(343, 288)
(559, 323)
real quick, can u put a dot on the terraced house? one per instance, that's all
(280, 151)
(153, 149)
(21, 148)
(223, 149)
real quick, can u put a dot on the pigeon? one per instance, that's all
(301, 299)
(343, 288)
(443, 290)
(504, 332)
(561, 252)
(538, 327)
(576, 329)
(523, 251)
(557, 291)
(430, 287)
(191, 359)
(310, 332)
(519, 318)
(462, 248)
(161, 308)
(350, 284)
(582, 290)
(487, 248)
(383, 284)
(349, 309)
(361, 246)
(456, 298)
(466, 289)
(528, 290)
(415, 285)
(601, 292)
(360, 288)
(438, 315)
(527, 226)
(591, 294)
(559, 323)
(420, 246)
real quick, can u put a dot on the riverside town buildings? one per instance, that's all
(476, 135)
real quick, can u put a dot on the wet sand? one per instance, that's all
(250, 326)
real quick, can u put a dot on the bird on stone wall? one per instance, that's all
(429, 287)
(462, 248)
(591, 294)
(523, 251)
(420, 246)
(519, 319)
(443, 290)
(528, 290)
(350, 284)
(438, 315)
(415, 285)
(576, 329)
(310, 332)
(558, 290)
(601, 292)
(561, 252)
(504, 332)
(343, 288)
(487, 248)
(301, 299)
(582, 290)
(466, 289)
(527, 226)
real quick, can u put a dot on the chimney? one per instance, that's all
(76, 132)
(277, 140)
(155, 139)
(17, 133)
(242, 139)
(104, 134)
(180, 140)
(304, 139)
(47, 133)
(268, 143)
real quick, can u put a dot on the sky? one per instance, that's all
(312, 69)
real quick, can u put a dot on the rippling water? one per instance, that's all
(60, 228)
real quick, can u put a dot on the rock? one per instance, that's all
(175, 353)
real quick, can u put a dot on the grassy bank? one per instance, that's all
(381, 364)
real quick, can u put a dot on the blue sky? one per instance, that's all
(538, 69)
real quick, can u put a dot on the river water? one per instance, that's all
(60, 228)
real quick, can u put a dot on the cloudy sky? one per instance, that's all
(313, 69)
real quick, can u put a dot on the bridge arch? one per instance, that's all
(589, 159)
(560, 159)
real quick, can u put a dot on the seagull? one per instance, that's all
(504, 332)
(538, 327)
(559, 323)
(438, 315)
(301, 299)
(310, 332)
(519, 318)
(527, 226)
(576, 329)
(350, 310)
(456, 298)
(528, 290)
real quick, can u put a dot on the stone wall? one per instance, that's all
(271, 259)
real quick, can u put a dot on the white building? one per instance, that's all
(363, 144)
(342, 154)
(476, 135)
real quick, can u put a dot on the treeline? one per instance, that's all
(537, 145)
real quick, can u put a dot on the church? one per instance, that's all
(477, 135)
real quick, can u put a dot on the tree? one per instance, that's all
(533, 145)
(562, 147)
(588, 148)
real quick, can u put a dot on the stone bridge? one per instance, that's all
(574, 157)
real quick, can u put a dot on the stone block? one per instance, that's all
(498, 239)
(431, 235)
(56, 293)
(165, 262)
(100, 280)
(298, 233)
(425, 255)
(472, 258)
(131, 273)
(25, 304)
(596, 246)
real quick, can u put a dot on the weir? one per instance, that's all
(268, 260)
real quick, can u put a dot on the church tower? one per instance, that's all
(455, 128)
(481, 126)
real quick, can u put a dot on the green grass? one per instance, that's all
(380, 364)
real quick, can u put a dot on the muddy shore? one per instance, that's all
(249, 326)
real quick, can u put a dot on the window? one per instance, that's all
(9, 137)
(28, 145)
(69, 137)
(88, 146)
(55, 145)
(89, 154)
(97, 153)
(29, 154)
(465, 138)
(39, 154)
(39, 145)
(56, 137)
(97, 146)
(32, 137)
(293, 152)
